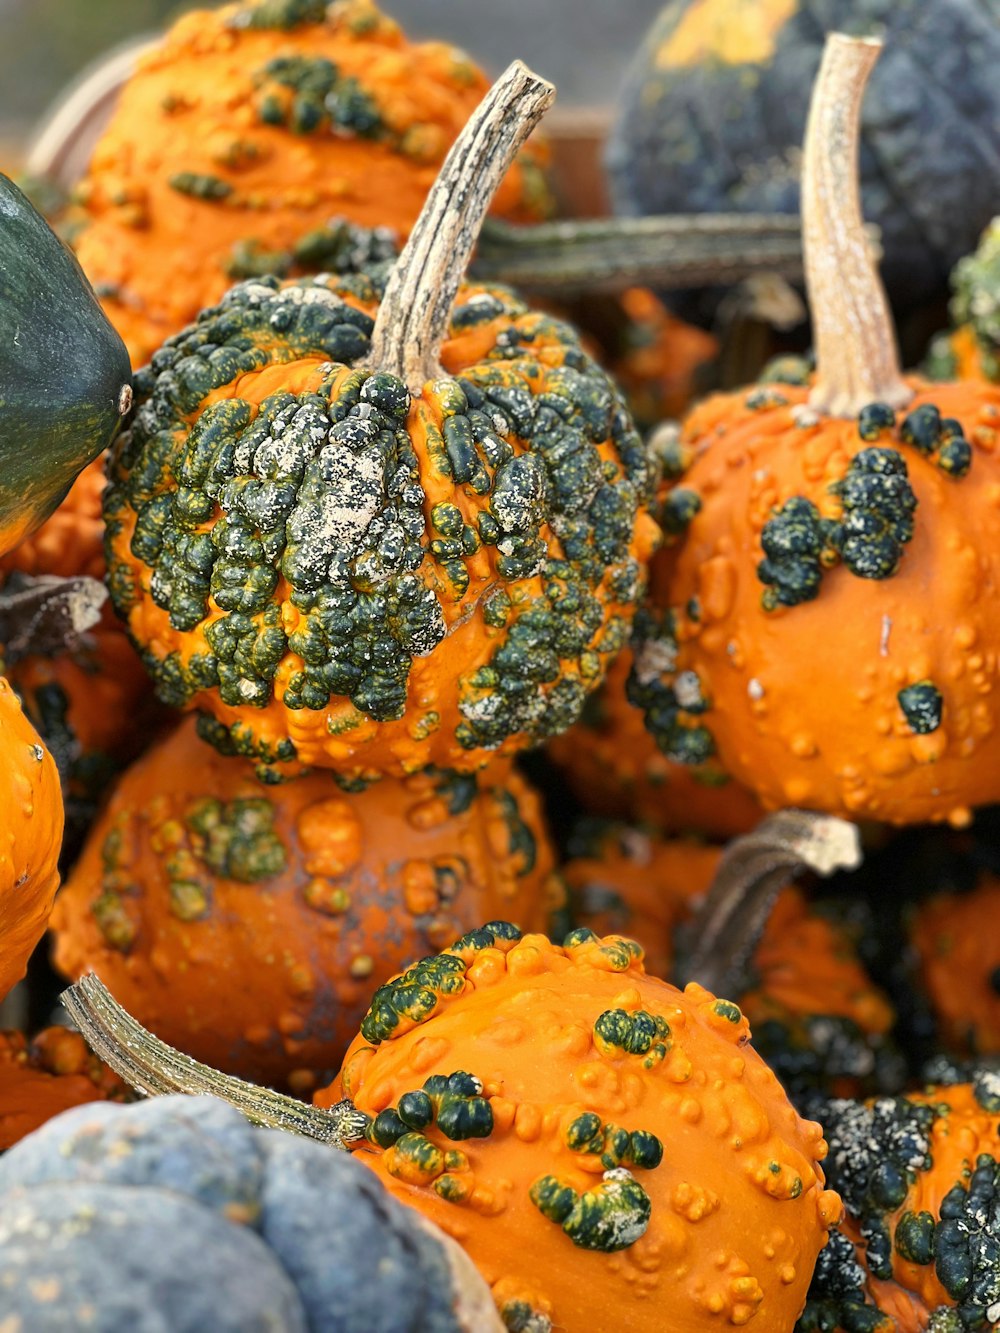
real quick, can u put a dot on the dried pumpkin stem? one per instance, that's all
(750, 875)
(46, 615)
(412, 321)
(156, 1069)
(610, 254)
(856, 357)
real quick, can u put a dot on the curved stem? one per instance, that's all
(156, 1069)
(751, 873)
(412, 321)
(47, 615)
(856, 358)
(609, 254)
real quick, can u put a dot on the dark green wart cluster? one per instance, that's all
(324, 492)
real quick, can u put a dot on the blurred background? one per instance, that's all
(44, 44)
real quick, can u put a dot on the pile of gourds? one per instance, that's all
(478, 678)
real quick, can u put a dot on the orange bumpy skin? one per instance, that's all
(957, 939)
(245, 132)
(614, 767)
(609, 1150)
(248, 925)
(31, 826)
(41, 1078)
(348, 577)
(868, 688)
(816, 1016)
(920, 1177)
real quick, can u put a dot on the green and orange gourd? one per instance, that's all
(826, 623)
(242, 138)
(377, 529)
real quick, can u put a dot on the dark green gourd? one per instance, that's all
(65, 380)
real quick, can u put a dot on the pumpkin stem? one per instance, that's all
(156, 1069)
(856, 358)
(751, 873)
(47, 615)
(412, 321)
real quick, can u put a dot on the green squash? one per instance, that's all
(65, 380)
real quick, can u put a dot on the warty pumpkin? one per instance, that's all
(971, 350)
(248, 925)
(47, 1075)
(660, 358)
(919, 1246)
(31, 825)
(602, 1145)
(245, 131)
(64, 370)
(613, 766)
(826, 621)
(815, 1014)
(956, 938)
(710, 114)
(176, 1214)
(349, 557)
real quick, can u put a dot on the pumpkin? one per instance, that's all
(660, 359)
(64, 370)
(348, 557)
(46, 1075)
(244, 132)
(956, 937)
(176, 1214)
(825, 622)
(613, 766)
(970, 351)
(620, 1139)
(709, 118)
(31, 825)
(249, 924)
(920, 1177)
(815, 1014)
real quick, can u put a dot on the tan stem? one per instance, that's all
(751, 873)
(47, 615)
(856, 358)
(412, 321)
(156, 1069)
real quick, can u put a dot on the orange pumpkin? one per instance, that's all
(613, 766)
(375, 530)
(47, 1075)
(245, 132)
(957, 940)
(920, 1177)
(827, 622)
(605, 1147)
(31, 825)
(248, 924)
(660, 360)
(816, 1016)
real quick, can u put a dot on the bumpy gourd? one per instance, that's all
(175, 1213)
(245, 132)
(64, 370)
(920, 1177)
(599, 1142)
(351, 558)
(826, 621)
(613, 766)
(956, 938)
(248, 925)
(659, 358)
(710, 114)
(816, 1017)
(47, 1075)
(31, 825)
(971, 350)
